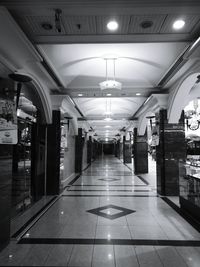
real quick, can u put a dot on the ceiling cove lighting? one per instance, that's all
(110, 83)
(178, 24)
(112, 25)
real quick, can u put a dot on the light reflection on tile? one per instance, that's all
(68, 218)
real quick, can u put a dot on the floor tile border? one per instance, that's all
(182, 213)
(142, 179)
(135, 242)
(26, 224)
(139, 176)
(131, 185)
(130, 175)
(110, 190)
(109, 196)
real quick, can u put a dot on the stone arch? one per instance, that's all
(43, 95)
(185, 91)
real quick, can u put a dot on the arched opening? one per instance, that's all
(29, 154)
(147, 127)
(189, 169)
(180, 96)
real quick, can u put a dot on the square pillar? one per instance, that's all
(126, 150)
(171, 148)
(89, 150)
(78, 151)
(140, 153)
(53, 155)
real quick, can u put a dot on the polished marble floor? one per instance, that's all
(107, 217)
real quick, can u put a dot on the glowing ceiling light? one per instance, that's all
(112, 25)
(110, 84)
(108, 112)
(107, 126)
(179, 24)
(108, 94)
(80, 94)
(138, 94)
(108, 119)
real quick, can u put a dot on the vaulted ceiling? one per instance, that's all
(140, 54)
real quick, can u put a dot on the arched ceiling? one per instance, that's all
(74, 57)
(137, 65)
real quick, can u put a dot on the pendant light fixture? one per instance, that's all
(110, 83)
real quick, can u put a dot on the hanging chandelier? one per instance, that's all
(110, 83)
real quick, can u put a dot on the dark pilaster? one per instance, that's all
(127, 151)
(171, 149)
(78, 151)
(118, 148)
(140, 153)
(89, 150)
(53, 155)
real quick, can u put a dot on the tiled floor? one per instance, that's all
(107, 217)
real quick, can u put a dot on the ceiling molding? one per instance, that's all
(154, 103)
(93, 39)
(12, 32)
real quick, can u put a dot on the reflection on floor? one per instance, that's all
(107, 217)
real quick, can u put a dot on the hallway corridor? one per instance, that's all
(107, 217)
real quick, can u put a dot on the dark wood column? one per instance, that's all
(118, 148)
(171, 149)
(89, 150)
(78, 151)
(140, 153)
(126, 150)
(53, 155)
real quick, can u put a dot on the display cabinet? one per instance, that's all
(189, 184)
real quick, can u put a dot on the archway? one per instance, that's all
(178, 100)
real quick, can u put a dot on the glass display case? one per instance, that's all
(189, 184)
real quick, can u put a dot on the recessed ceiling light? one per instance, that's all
(80, 94)
(107, 126)
(138, 94)
(179, 24)
(112, 25)
(108, 94)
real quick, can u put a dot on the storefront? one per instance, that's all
(189, 171)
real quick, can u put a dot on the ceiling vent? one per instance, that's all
(146, 24)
